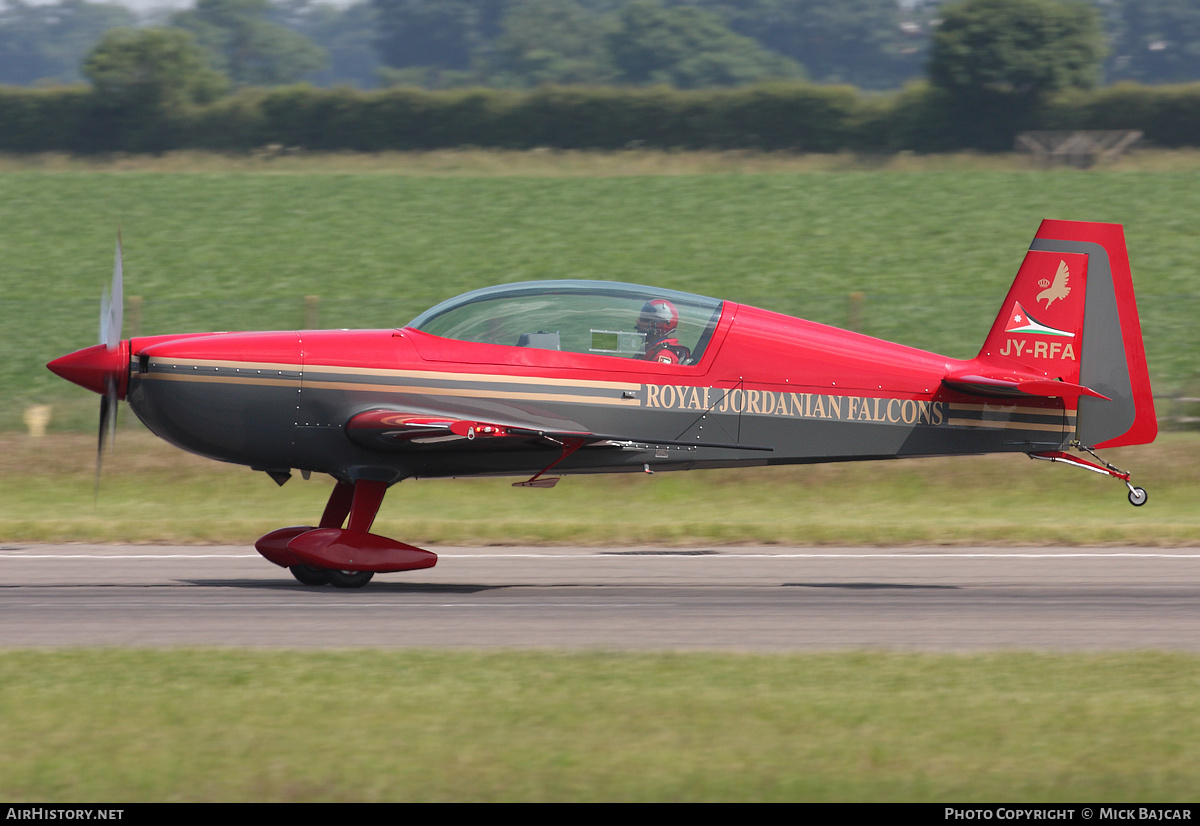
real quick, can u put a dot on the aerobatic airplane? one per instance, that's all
(600, 377)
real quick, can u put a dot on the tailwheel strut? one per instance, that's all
(1137, 496)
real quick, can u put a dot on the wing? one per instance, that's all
(387, 429)
(391, 429)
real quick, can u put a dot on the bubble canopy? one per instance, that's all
(594, 317)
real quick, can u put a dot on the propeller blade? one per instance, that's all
(108, 429)
(112, 304)
(112, 310)
(105, 311)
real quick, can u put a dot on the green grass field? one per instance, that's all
(933, 250)
(208, 725)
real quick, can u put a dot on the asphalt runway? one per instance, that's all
(719, 598)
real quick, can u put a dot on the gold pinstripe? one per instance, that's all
(226, 378)
(1006, 408)
(202, 377)
(401, 374)
(992, 424)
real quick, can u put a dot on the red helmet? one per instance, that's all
(658, 319)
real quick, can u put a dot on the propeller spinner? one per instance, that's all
(104, 368)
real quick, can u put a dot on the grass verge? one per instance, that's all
(549, 162)
(152, 492)
(214, 725)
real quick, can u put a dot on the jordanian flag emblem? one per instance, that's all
(1020, 321)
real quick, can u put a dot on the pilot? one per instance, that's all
(657, 322)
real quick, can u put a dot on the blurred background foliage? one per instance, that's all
(871, 44)
(814, 75)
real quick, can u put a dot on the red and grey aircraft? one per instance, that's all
(603, 377)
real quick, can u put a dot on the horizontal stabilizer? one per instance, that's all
(1008, 385)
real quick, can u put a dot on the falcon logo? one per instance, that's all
(1059, 289)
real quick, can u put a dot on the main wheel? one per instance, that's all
(349, 579)
(308, 575)
(1137, 497)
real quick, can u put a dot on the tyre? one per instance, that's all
(349, 579)
(308, 575)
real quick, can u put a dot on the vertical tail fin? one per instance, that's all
(1071, 317)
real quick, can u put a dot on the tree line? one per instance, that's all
(689, 44)
(217, 78)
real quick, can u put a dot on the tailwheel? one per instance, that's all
(348, 579)
(308, 575)
(1137, 496)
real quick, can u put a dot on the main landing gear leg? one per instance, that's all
(338, 506)
(336, 511)
(360, 501)
(1137, 496)
(365, 499)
